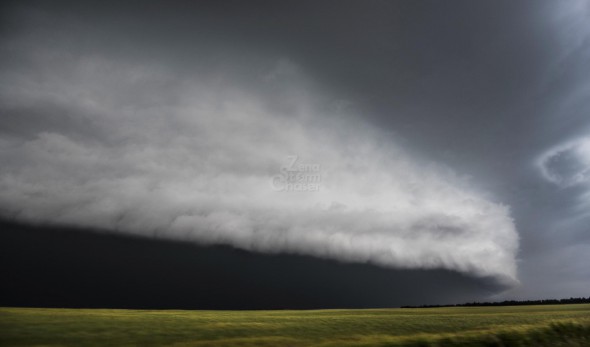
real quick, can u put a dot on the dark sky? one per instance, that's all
(438, 142)
(68, 267)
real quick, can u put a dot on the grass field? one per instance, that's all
(558, 325)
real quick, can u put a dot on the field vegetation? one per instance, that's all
(546, 325)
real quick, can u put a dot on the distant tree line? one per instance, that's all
(581, 300)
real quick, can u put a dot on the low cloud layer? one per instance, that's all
(266, 164)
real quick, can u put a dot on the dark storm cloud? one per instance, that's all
(68, 267)
(168, 166)
(485, 88)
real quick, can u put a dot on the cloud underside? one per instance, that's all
(140, 150)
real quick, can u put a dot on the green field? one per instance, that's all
(549, 325)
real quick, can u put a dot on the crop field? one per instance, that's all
(548, 325)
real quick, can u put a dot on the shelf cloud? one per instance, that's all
(270, 164)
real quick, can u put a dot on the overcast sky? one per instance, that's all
(408, 135)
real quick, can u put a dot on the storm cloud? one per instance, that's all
(409, 135)
(201, 160)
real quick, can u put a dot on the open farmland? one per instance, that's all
(549, 325)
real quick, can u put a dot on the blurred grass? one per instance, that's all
(548, 325)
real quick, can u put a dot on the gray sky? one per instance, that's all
(441, 134)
